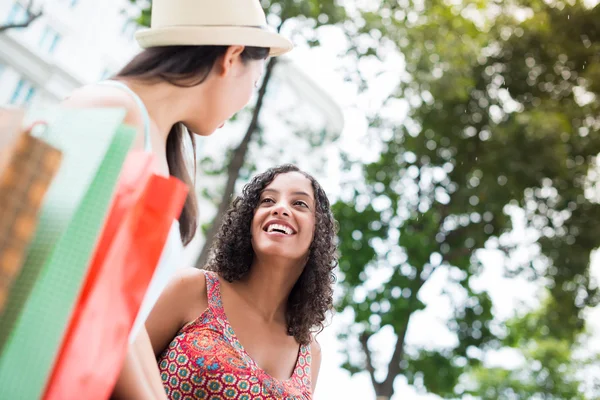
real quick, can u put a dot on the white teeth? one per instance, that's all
(283, 228)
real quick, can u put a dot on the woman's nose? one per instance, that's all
(280, 209)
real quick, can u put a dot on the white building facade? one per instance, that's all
(72, 43)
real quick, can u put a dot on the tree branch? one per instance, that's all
(394, 367)
(458, 253)
(31, 16)
(364, 338)
(233, 170)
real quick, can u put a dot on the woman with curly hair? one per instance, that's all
(243, 329)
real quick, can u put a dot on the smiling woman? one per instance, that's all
(244, 327)
(283, 194)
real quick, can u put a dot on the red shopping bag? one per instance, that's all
(128, 252)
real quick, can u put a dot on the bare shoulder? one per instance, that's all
(190, 277)
(183, 300)
(93, 96)
(100, 96)
(189, 286)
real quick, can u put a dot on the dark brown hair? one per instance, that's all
(232, 254)
(183, 66)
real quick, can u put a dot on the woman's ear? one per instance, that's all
(230, 59)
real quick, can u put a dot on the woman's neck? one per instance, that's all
(267, 286)
(166, 104)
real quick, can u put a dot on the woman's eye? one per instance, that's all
(267, 200)
(301, 203)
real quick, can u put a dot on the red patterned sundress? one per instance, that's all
(206, 361)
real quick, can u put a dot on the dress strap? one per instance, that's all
(214, 293)
(141, 106)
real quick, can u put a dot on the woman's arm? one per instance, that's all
(147, 362)
(132, 383)
(182, 301)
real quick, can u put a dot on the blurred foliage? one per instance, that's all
(550, 367)
(504, 111)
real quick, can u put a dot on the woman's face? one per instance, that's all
(228, 89)
(284, 220)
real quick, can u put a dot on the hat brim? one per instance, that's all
(214, 36)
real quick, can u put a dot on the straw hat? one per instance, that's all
(211, 22)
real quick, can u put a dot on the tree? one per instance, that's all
(30, 16)
(304, 15)
(550, 369)
(502, 116)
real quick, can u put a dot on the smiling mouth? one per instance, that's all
(278, 228)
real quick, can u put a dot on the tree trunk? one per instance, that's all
(385, 390)
(233, 170)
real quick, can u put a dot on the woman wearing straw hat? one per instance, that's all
(201, 61)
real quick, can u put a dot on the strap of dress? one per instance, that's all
(213, 292)
(141, 106)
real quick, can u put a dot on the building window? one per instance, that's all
(29, 95)
(49, 40)
(23, 93)
(17, 14)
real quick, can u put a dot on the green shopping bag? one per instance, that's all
(94, 146)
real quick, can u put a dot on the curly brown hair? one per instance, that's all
(232, 254)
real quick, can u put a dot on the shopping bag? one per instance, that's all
(32, 164)
(134, 177)
(170, 260)
(94, 146)
(97, 341)
(11, 120)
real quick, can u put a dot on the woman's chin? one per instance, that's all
(277, 253)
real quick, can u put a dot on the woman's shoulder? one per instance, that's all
(105, 96)
(189, 280)
(101, 96)
(97, 95)
(187, 288)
